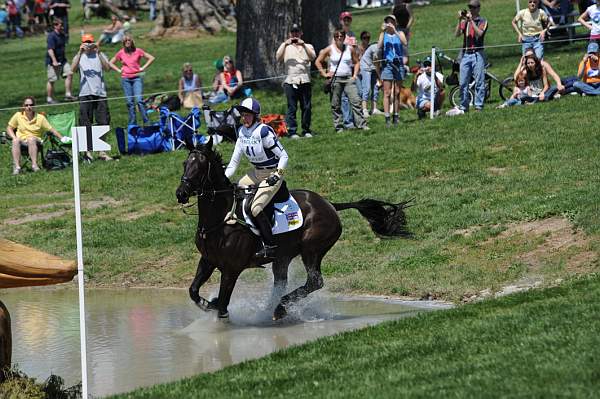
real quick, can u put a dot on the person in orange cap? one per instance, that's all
(91, 64)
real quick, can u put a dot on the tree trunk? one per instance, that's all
(264, 24)
(181, 16)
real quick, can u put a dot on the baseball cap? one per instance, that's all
(345, 14)
(87, 37)
(592, 48)
(295, 28)
(427, 62)
(474, 3)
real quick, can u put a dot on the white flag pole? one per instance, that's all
(82, 330)
(432, 95)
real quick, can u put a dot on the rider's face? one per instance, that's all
(247, 119)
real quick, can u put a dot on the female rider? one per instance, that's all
(262, 148)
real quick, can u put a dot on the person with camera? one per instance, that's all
(93, 105)
(472, 27)
(341, 74)
(589, 72)
(27, 127)
(422, 84)
(56, 62)
(531, 25)
(296, 56)
(391, 42)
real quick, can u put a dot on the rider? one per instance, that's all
(262, 148)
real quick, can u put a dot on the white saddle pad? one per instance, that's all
(288, 217)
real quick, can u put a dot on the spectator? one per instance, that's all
(405, 20)
(93, 106)
(531, 25)
(56, 62)
(589, 73)
(189, 90)
(60, 9)
(346, 24)
(422, 84)
(553, 91)
(132, 76)
(152, 4)
(230, 82)
(13, 22)
(40, 13)
(343, 70)
(217, 87)
(392, 43)
(537, 76)
(590, 18)
(557, 9)
(91, 8)
(370, 79)
(297, 56)
(112, 33)
(27, 127)
(521, 93)
(472, 27)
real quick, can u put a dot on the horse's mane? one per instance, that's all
(215, 158)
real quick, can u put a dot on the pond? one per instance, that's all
(141, 337)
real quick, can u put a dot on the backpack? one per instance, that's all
(277, 122)
(56, 160)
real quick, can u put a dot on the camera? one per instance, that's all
(463, 13)
(295, 40)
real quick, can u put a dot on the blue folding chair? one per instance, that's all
(179, 128)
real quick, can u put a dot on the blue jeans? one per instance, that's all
(219, 97)
(370, 91)
(152, 4)
(133, 88)
(472, 65)
(591, 89)
(534, 43)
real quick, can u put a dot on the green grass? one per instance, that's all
(485, 170)
(536, 344)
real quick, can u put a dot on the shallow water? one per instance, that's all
(141, 337)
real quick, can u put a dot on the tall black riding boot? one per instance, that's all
(264, 226)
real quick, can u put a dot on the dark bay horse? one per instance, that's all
(231, 247)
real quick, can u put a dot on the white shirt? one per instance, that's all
(424, 84)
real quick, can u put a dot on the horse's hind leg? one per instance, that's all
(314, 281)
(203, 273)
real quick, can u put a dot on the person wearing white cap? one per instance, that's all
(589, 72)
(259, 143)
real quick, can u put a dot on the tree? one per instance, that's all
(264, 24)
(189, 15)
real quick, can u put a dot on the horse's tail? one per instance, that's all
(385, 219)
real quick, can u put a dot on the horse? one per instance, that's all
(231, 247)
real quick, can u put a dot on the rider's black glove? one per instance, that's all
(272, 180)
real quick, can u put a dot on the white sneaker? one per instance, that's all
(365, 113)
(308, 135)
(365, 127)
(455, 111)
(16, 171)
(294, 136)
(557, 96)
(376, 112)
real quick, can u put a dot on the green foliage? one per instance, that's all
(17, 385)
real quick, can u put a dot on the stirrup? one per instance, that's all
(267, 251)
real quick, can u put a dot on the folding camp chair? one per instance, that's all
(221, 123)
(180, 129)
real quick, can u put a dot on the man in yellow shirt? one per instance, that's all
(589, 72)
(27, 127)
(531, 25)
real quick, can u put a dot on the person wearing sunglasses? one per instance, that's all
(27, 127)
(472, 27)
(531, 25)
(343, 71)
(189, 89)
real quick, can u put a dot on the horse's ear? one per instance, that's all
(189, 144)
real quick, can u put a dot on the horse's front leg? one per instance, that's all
(228, 281)
(205, 270)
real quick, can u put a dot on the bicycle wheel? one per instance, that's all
(506, 88)
(455, 96)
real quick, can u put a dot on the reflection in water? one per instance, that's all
(140, 337)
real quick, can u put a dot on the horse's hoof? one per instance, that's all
(279, 313)
(212, 305)
(223, 315)
(205, 305)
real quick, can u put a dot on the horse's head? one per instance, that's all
(202, 169)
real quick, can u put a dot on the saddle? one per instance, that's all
(283, 211)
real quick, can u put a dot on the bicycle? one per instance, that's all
(505, 88)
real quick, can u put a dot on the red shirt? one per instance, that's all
(130, 62)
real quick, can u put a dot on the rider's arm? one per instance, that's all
(235, 159)
(271, 143)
